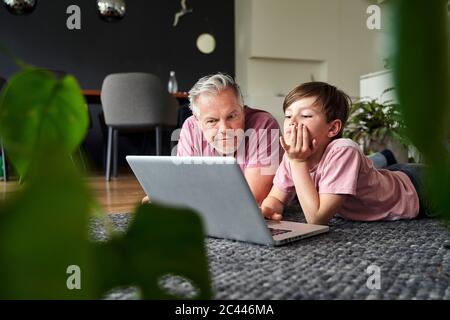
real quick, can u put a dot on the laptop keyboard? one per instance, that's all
(275, 232)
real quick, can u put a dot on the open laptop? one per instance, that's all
(216, 188)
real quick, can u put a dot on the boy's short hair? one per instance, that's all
(334, 102)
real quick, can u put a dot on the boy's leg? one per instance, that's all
(417, 174)
(383, 159)
(379, 161)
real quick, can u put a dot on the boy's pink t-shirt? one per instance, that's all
(373, 194)
(260, 149)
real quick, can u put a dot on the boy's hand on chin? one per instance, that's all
(300, 147)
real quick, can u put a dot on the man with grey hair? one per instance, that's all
(221, 125)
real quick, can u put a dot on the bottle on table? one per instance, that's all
(172, 86)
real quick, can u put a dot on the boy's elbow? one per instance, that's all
(318, 222)
(318, 219)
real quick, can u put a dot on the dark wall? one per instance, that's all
(144, 40)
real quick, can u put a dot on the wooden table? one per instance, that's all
(92, 96)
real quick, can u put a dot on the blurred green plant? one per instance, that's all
(1, 167)
(44, 228)
(422, 78)
(374, 120)
(39, 110)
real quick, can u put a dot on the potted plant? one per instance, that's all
(45, 250)
(377, 125)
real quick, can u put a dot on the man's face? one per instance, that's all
(221, 118)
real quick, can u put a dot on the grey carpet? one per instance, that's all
(413, 256)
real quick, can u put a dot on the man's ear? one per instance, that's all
(335, 128)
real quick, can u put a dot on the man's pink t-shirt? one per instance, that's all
(373, 194)
(261, 148)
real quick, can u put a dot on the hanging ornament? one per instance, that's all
(111, 10)
(20, 7)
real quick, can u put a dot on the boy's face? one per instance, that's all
(305, 112)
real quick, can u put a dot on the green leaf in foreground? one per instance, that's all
(44, 230)
(160, 241)
(37, 109)
(422, 76)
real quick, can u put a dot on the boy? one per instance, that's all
(330, 174)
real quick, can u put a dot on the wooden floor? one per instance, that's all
(119, 195)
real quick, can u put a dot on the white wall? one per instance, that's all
(374, 85)
(282, 43)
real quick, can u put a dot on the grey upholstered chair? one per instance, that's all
(135, 101)
(5, 165)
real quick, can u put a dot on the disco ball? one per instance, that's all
(111, 10)
(20, 7)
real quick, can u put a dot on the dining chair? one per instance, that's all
(137, 101)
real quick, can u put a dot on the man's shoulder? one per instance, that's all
(190, 120)
(259, 119)
(190, 129)
(190, 123)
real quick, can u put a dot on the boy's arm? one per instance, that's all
(272, 206)
(318, 208)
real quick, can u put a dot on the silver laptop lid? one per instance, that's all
(213, 186)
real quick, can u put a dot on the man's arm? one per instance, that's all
(260, 184)
(267, 152)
